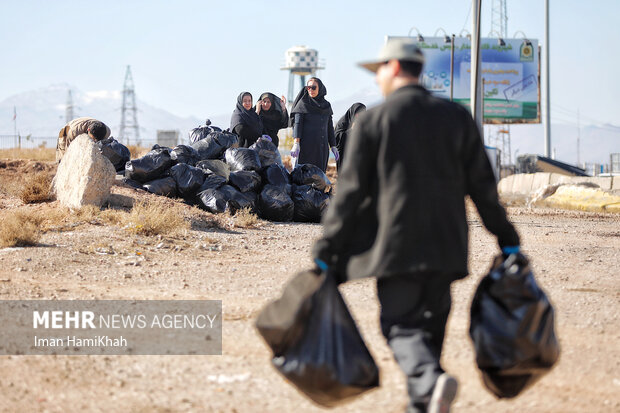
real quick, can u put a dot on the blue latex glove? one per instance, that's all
(511, 250)
(295, 150)
(336, 153)
(321, 264)
(266, 138)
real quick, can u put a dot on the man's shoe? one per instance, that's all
(443, 395)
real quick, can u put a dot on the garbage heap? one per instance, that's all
(218, 176)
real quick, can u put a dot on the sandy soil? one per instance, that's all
(575, 256)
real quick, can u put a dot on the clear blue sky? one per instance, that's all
(194, 57)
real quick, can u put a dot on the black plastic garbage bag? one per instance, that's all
(163, 186)
(132, 183)
(214, 144)
(115, 151)
(237, 200)
(308, 174)
(276, 175)
(200, 132)
(184, 154)
(151, 166)
(215, 166)
(309, 203)
(245, 181)
(242, 159)
(275, 204)
(213, 201)
(267, 152)
(316, 344)
(226, 198)
(212, 182)
(512, 327)
(188, 178)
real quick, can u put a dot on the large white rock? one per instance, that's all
(84, 175)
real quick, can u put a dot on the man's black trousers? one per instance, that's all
(414, 311)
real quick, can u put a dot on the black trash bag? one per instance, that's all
(267, 152)
(226, 198)
(276, 175)
(214, 144)
(188, 179)
(200, 132)
(212, 182)
(214, 166)
(275, 204)
(157, 147)
(245, 181)
(184, 154)
(237, 200)
(309, 203)
(151, 166)
(512, 327)
(213, 201)
(242, 159)
(316, 344)
(163, 186)
(132, 183)
(115, 151)
(308, 174)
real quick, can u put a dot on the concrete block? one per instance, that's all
(559, 179)
(540, 180)
(522, 184)
(604, 182)
(504, 187)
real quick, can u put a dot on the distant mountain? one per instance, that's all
(41, 112)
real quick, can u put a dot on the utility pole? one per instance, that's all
(578, 136)
(69, 108)
(476, 89)
(129, 120)
(547, 88)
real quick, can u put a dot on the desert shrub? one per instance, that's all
(155, 218)
(245, 218)
(19, 229)
(36, 188)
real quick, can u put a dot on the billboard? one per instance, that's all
(510, 73)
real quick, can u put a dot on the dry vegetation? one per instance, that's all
(19, 229)
(245, 218)
(154, 218)
(36, 188)
(35, 154)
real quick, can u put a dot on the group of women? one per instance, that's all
(311, 119)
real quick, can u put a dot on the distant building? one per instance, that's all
(169, 138)
(529, 164)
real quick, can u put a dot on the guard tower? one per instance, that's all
(300, 61)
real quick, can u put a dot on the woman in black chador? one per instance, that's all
(313, 127)
(245, 122)
(273, 114)
(344, 125)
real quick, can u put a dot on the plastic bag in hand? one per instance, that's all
(512, 327)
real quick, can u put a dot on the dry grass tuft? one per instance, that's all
(19, 229)
(36, 188)
(36, 154)
(155, 218)
(245, 218)
(137, 151)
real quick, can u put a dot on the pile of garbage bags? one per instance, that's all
(218, 176)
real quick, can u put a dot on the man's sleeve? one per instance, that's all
(354, 182)
(482, 187)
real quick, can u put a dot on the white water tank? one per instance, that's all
(301, 60)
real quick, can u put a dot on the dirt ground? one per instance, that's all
(575, 256)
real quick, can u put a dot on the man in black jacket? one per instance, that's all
(399, 215)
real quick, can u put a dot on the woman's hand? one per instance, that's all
(283, 103)
(258, 106)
